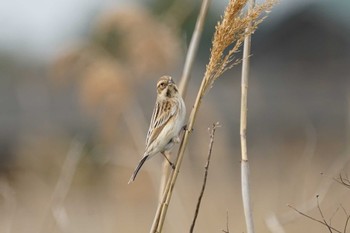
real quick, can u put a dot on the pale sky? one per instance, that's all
(39, 28)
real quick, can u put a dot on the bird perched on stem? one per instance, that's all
(167, 121)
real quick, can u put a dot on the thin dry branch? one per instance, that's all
(313, 219)
(323, 221)
(347, 218)
(346, 223)
(227, 228)
(321, 213)
(343, 180)
(211, 143)
(275, 223)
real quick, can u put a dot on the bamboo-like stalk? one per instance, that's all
(192, 51)
(246, 196)
(185, 77)
(163, 205)
(243, 130)
(193, 47)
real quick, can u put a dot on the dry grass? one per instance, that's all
(230, 32)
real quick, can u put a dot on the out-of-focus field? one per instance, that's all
(72, 128)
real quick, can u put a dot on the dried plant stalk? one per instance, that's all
(192, 49)
(211, 143)
(191, 54)
(231, 31)
(243, 130)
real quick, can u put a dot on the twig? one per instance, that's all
(310, 204)
(211, 143)
(346, 223)
(227, 229)
(312, 218)
(321, 213)
(344, 181)
(347, 218)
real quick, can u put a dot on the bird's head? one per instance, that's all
(166, 87)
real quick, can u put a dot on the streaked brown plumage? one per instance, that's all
(167, 121)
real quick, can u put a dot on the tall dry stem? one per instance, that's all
(193, 47)
(243, 130)
(186, 73)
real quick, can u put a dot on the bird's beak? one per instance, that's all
(171, 81)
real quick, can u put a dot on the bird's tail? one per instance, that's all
(137, 169)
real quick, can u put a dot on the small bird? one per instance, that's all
(167, 121)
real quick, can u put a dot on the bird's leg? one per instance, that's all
(181, 133)
(171, 164)
(185, 128)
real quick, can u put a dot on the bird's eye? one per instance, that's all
(162, 84)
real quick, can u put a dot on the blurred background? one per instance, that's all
(77, 88)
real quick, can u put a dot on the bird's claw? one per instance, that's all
(185, 128)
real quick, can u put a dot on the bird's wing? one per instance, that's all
(162, 113)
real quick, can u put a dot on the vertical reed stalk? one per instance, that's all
(191, 54)
(192, 51)
(243, 130)
(158, 221)
(193, 47)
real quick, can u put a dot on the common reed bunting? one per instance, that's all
(167, 121)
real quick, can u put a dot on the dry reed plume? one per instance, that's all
(230, 32)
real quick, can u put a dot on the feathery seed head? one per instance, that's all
(231, 31)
